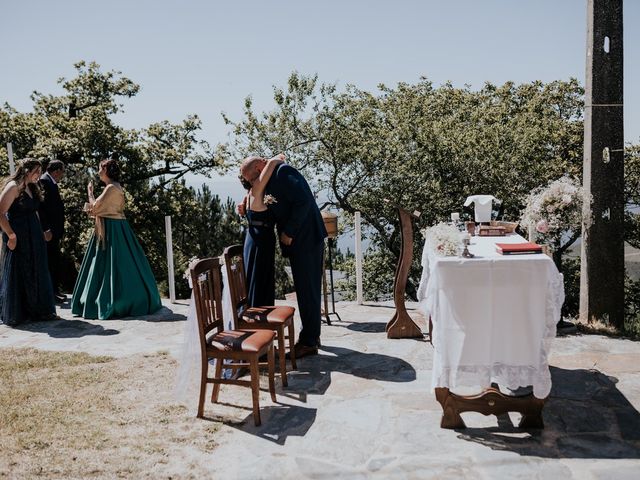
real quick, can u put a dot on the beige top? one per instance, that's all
(110, 204)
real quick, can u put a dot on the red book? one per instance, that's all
(518, 248)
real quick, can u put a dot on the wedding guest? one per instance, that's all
(302, 233)
(51, 213)
(26, 293)
(115, 278)
(260, 240)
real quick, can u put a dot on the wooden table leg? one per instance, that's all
(489, 402)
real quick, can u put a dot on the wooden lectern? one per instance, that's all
(331, 224)
(401, 325)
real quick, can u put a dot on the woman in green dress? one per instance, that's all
(115, 278)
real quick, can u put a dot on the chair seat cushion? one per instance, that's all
(240, 340)
(279, 314)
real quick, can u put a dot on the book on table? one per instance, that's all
(518, 248)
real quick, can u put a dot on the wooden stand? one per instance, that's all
(490, 402)
(401, 325)
(324, 311)
(325, 291)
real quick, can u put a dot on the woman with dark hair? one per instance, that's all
(26, 293)
(260, 240)
(115, 278)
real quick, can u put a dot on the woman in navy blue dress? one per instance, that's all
(260, 239)
(26, 293)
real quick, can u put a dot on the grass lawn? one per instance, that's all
(73, 415)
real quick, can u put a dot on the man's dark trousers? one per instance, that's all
(306, 268)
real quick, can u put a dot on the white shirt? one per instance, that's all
(52, 179)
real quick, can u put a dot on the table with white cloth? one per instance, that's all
(493, 315)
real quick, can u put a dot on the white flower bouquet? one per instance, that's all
(555, 211)
(187, 273)
(443, 239)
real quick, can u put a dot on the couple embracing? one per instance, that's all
(279, 196)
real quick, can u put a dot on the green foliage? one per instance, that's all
(571, 273)
(378, 271)
(632, 194)
(423, 147)
(78, 127)
(284, 281)
(426, 148)
(632, 307)
(632, 236)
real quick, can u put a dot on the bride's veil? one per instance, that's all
(187, 380)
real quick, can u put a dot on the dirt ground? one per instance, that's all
(73, 415)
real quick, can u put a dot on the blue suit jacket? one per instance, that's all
(295, 209)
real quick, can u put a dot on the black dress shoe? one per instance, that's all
(305, 350)
(60, 297)
(240, 372)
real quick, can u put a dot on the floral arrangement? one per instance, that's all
(269, 199)
(443, 239)
(187, 273)
(555, 211)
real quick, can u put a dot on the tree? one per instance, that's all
(424, 147)
(78, 127)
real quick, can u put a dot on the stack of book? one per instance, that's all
(518, 248)
(491, 231)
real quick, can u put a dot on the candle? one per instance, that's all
(531, 231)
(455, 216)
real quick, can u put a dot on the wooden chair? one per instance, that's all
(276, 318)
(242, 348)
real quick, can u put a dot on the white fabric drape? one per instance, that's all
(494, 316)
(482, 206)
(187, 381)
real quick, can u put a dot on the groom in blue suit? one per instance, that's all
(302, 233)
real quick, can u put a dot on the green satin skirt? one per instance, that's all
(115, 278)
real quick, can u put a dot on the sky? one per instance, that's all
(205, 57)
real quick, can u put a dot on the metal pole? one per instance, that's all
(325, 294)
(358, 234)
(12, 165)
(172, 285)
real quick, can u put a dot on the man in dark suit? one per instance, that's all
(302, 233)
(52, 219)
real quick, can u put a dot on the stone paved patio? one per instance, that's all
(363, 407)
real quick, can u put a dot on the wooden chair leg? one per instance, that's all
(292, 342)
(216, 386)
(203, 389)
(255, 389)
(272, 366)
(283, 356)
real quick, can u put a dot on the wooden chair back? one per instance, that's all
(236, 278)
(206, 279)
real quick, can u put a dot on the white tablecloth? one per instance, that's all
(493, 316)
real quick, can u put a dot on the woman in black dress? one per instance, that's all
(26, 293)
(260, 239)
